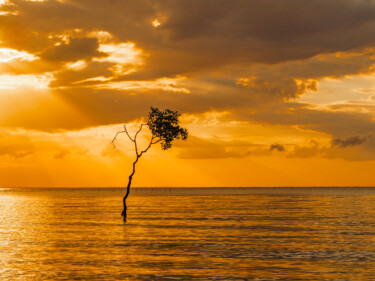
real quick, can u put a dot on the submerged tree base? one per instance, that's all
(124, 212)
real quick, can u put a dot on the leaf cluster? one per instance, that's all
(164, 125)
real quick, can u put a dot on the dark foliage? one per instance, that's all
(164, 125)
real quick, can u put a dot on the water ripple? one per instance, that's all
(247, 237)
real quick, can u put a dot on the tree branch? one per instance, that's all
(113, 141)
(154, 142)
(126, 131)
(149, 145)
(144, 151)
(140, 129)
(135, 139)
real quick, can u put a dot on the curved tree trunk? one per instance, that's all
(128, 189)
(152, 141)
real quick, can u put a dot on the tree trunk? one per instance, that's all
(126, 196)
(128, 190)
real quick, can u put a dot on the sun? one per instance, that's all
(156, 23)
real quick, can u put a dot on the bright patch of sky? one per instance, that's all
(8, 54)
(339, 91)
(12, 82)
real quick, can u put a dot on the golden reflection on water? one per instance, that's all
(249, 237)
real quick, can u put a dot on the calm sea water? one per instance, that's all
(255, 234)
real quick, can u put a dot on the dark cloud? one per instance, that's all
(277, 147)
(340, 124)
(36, 21)
(76, 49)
(356, 149)
(197, 35)
(68, 77)
(351, 141)
(280, 48)
(205, 35)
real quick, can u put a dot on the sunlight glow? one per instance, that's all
(94, 79)
(246, 82)
(350, 93)
(123, 53)
(156, 23)
(7, 13)
(119, 69)
(165, 84)
(11, 82)
(101, 35)
(77, 66)
(8, 54)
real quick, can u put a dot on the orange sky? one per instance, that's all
(272, 93)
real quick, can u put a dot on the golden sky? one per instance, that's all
(273, 93)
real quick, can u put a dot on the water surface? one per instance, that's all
(70, 234)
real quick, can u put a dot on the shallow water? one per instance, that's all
(69, 235)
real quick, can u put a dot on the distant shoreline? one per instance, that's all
(190, 191)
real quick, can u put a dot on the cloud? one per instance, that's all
(246, 64)
(356, 149)
(195, 36)
(110, 151)
(214, 148)
(248, 58)
(32, 144)
(76, 49)
(277, 147)
(351, 141)
(61, 153)
(75, 77)
(310, 149)
(340, 124)
(210, 34)
(218, 148)
(15, 146)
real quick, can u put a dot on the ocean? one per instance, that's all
(187, 234)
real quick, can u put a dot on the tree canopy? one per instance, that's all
(164, 126)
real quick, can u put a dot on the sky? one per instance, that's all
(273, 93)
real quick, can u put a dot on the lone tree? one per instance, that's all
(164, 127)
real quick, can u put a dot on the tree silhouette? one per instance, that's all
(164, 127)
